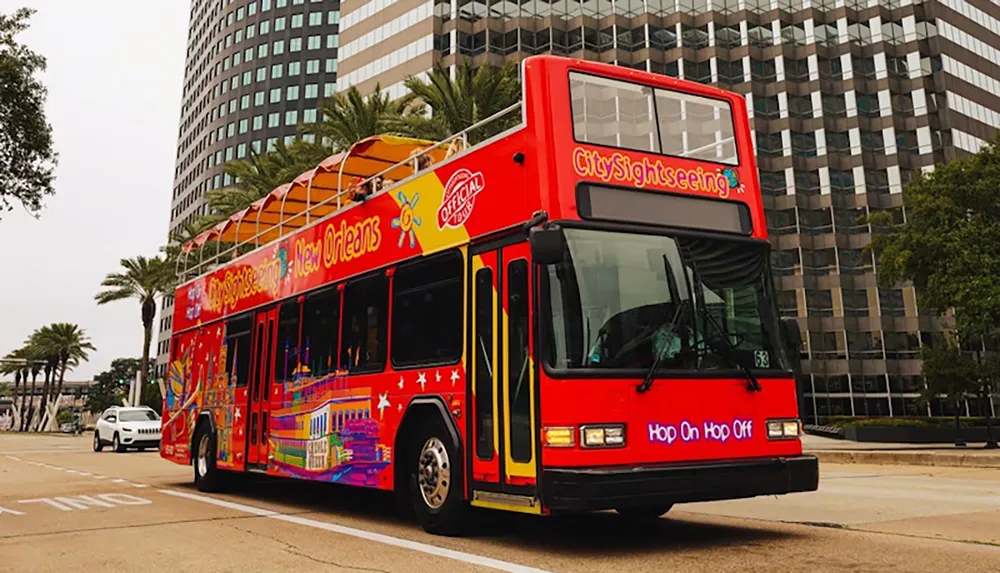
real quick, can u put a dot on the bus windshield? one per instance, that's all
(631, 116)
(620, 299)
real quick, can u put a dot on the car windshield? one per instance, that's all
(138, 416)
(620, 299)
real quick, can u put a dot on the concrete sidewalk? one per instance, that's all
(834, 451)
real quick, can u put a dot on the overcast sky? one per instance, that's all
(115, 69)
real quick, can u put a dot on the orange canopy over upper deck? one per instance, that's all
(323, 190)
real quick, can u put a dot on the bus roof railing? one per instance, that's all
(422, 159)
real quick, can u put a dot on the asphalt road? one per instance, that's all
(64, 508)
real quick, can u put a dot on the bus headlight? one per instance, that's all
(783, 429)
(603, 436)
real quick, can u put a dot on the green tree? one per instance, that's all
(65, 345)
(950, 375)
(153, 398)
(456, 104)
(949, 248)
(111, 386)
(144, 280)
(27, 160)
(349, 117)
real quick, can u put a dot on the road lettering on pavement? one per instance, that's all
(83, 502)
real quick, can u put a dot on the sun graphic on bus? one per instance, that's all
(407, 222)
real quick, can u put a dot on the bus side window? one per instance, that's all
(366, 309)
(238, 349)
(320, 332)
(287, 356)
(428, 311)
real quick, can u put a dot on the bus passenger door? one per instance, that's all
(261, 374)
(502, 374)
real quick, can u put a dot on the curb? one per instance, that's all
(956, 460)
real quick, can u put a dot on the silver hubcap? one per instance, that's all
(434, 473)
(203, 456)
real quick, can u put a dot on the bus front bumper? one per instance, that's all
(593, 489)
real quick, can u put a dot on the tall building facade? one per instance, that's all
(849, 99)
(255, 71)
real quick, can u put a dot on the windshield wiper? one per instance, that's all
(647, 381)
(732, 354)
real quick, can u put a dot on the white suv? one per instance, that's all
(125, 428)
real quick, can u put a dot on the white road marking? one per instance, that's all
(469, 558)
(13, 458)
(99, 477)
(119, 480)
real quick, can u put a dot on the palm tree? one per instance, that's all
(13, 365)
(144, 279)
(40, 350)
(456, 104)
(349, 117)
(65, 345)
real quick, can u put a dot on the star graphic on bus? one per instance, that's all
(383, 403)
(422, 380)
(407, 222)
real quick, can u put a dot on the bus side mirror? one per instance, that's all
(548, 245)
(793, 335)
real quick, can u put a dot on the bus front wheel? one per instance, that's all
(207, 477)
(435, 480)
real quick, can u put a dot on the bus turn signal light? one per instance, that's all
(558, 436)
(783, 429)
(608, 436)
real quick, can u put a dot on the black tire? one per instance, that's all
(98, 444)
(645, 513)
(439, 510)
(117, 444)
(207, 477)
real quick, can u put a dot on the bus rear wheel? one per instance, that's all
(435, 481)
(644, 513)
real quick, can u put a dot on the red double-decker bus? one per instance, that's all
(573, 314)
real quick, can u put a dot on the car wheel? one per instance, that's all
(435, 481)
(98, 444)
(117, 444)
(646, 513)
(207, 477)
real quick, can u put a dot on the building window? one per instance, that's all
(273, 119)
(293, 93)
(331, 65)
(309, 116)
(316, 19)
(279, 24)
(312, 67)
(294, 68)
(312, 91)
(333, 41)
(258, 98)
(279, 47)
(315, 42)
(275, 95)
(265, 27)
(277, 71)
(258, 122)
(297, 20)
(295, 45)
(292, 117)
